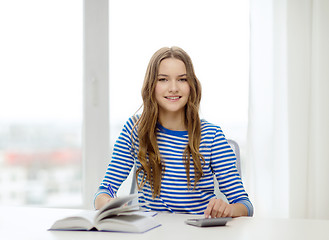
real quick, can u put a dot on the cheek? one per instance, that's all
(187, 90)
(157, 91)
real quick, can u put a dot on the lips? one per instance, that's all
(173, 98)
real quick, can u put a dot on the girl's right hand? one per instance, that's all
(101, 200)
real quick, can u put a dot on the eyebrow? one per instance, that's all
(165, 75)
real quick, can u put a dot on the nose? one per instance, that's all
(173, 86)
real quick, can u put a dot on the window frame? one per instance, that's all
(95, 132)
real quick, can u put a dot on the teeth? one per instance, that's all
(172, 98)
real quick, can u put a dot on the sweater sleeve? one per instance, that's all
(121, 163)
(223, 163)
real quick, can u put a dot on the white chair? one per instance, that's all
(235, 147)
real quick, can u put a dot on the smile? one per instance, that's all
(173, 98)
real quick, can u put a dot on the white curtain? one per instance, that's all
(288, 135)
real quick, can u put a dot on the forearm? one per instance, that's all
(101, 200)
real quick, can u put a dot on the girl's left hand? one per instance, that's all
(218, 208)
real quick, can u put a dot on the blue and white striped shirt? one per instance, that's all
(176, 195)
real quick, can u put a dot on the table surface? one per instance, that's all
(32, 223)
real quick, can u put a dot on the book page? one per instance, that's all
(117, 202)
(80, 221)
(116, 211)
(128, 223)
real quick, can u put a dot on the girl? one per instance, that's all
(176, 154)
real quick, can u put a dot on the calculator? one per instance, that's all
(208, 222)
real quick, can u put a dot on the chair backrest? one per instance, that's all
(234, 145)
(236, 149)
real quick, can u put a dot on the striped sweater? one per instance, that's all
(176, 196)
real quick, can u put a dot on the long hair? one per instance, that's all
(148, 154)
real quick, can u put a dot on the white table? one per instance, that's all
(32, 223)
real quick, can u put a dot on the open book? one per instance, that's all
(115, 216)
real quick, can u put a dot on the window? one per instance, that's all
(40, 102)
(214, 33)
(41, 90)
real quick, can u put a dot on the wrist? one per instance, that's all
(239, 210)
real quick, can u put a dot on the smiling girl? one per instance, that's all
(176, 154)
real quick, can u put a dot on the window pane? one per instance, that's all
(40, 102)
(215, 33)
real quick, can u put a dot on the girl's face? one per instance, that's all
(172, 89)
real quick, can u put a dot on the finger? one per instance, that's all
(215, 209)
(209, 208)
(228, 211)
(221, 208)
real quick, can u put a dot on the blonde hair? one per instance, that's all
(148, 153)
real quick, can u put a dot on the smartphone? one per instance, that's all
(208, 222)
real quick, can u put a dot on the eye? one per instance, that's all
(183, 80)
(162, 79)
